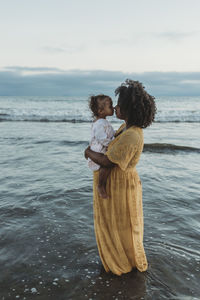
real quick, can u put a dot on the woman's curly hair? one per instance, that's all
(95, 105)
(136, 105)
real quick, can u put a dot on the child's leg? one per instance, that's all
(103, 175)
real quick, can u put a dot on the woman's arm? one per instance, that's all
(98, 158)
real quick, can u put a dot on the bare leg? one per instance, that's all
(103, 175)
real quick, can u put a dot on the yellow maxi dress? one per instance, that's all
(118, 220)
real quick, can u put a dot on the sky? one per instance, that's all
(92, 45)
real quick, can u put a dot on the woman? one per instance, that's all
(119, 220)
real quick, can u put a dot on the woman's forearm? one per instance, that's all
(99, 158)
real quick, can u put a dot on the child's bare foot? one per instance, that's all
(102, 191)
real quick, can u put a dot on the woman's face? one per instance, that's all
(118, 112)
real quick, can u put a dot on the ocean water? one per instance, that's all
(47, 242)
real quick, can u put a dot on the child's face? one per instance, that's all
(107, 109)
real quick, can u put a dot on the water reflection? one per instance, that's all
(128, 286)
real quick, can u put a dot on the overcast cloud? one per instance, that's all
(24, 81)
(123, 35)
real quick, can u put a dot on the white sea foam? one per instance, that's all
(49, 109)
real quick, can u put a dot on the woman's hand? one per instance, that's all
(86, 152)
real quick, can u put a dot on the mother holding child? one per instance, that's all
(117, 189)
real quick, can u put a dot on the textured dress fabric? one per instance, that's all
(102, 134)
(118, 220)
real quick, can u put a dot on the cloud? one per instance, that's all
(63, 49)
(56, 82)
(139, 38)
(31, 69)
(175, 36)
(116, 42)
(192, 81)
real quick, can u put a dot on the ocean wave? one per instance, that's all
(163, 147)
(54, 120)
(154, 147)
(178, 121)
(74, 143)
(151, 147)
(8, 118)
(148, 147)
(75, 110)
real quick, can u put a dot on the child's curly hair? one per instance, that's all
(94, 103)
(136, 104)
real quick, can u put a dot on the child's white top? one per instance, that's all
(102, 133)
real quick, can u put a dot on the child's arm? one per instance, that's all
(98, 158)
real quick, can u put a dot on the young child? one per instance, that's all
(101, 134)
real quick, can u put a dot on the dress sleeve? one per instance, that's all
(123, 150)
